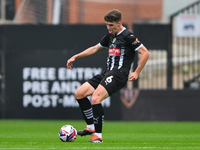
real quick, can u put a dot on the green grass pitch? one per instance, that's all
(117, 135)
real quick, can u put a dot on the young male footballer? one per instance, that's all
(122, 46)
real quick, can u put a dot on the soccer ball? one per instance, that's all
(67, 133)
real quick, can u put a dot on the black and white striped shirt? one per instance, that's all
(122, 49)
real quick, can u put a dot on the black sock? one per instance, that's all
(86, 110)
(98, 117)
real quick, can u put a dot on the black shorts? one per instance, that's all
(111, 80)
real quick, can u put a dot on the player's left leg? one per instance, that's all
(98, 96)
(112, 82)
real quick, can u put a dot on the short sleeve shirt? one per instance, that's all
(121, 48)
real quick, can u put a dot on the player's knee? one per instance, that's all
(78, 94)
(95, 100)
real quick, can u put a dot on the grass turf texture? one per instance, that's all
(43, 134)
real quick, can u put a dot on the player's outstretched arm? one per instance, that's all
(88, 52)
(70, 62)
(143, 59)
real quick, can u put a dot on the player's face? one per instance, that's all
(113, 27)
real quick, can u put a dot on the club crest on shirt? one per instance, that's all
(129, 96)
(114, 40)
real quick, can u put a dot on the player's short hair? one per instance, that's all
(113, 16)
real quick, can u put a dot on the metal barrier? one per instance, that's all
(186, 47)
(154, 74)
(174, 62)
(157, 72)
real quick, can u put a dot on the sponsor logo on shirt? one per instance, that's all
(136, 41)
(114, 51)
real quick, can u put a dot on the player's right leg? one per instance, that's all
(81, 95)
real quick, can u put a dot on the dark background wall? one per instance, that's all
(38, 85)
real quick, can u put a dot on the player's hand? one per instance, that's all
(133, 76)
(69, 63)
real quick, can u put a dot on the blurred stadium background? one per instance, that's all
(174, 67)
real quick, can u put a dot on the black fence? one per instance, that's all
(174, 62)
(157, 74)
(186, 47)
